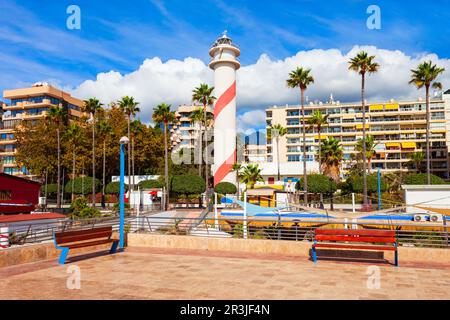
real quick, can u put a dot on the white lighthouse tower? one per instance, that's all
(224, 62)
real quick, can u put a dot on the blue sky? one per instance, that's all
(119, 35)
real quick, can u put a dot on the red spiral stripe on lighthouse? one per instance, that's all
(221, 104)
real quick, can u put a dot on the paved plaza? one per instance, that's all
(144, 273)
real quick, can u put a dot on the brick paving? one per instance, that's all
(145, 273)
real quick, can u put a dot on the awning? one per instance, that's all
(360, 126)
(391, 106)
(376, 107)
(393, 144)
(322, 137)
(408, 145)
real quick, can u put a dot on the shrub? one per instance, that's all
(421, 178)
(188, 184)
(372, 184)
(318, 183)
(151, 184)
(225, 188)
(52, 189)
(88, 212)
(116, 208)
(114, 188)
(82, 185)
(78, 205)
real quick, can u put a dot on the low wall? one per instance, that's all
(275, 247)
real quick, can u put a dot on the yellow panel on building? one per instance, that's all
(392, 144)
(391, 106)
(360, 126)
(408, 145)
(376, 107)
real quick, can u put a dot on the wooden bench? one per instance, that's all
(380, 240)
(65, 241)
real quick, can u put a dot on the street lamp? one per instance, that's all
(123, 142)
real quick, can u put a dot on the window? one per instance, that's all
(5, 194)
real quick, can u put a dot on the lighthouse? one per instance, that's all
(224, 62)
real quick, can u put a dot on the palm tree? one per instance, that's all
(331, 158)
(74, 135)
(319, 120)
(363, 64)
(197, 117)
(136, 127)
(369, 148)
(416, 159)
(105, 130)
(93, 106)
(162, 114)
(301, 78)
(58, 115)
(277, 131)
(425, 76)
(130, 108)
(203, 95)
(250, 175)
(237, 168)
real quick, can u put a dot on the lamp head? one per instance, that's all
(124, 140)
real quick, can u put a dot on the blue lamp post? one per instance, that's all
(123, 142)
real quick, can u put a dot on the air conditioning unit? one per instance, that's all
(420, 217)
(436, 217)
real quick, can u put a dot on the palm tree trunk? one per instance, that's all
(278, 158)
(200, 146)
(93, 161)
(166, 166)
(58, 191)
(73, 172)
(104, 173)
(130, 185)
(320, 150)
(364, 142)
(132, 159)
(206, 158)
(427, 95)
(305, 176)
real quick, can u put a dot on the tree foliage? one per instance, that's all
(114, 188)
(372, 184)
(150, 184)
(225, 188)
(421, 178)
(82, 185)
(188, 184)
(318, 183)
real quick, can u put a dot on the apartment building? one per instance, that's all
(184, 133)
(30, 104)
(399, 128)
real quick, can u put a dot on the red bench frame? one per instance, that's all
(355, 239)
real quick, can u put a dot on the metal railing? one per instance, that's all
(409, 233)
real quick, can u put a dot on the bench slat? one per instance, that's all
(372, 233)
(344, 246)
(89, 244)
(81, 235)
(355, 238)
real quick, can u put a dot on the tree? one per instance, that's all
(163, 114)
(363, 64)
(425, 76)
(129, 107)
(225, 188)
(81, 185)
(318, 183)
(197, 117)
(114, 188)
(203, 95)
(188, 184)
(422, 178)
(416, 160)
(318, 120)
(250, 175)
(92, 106)
(301, 78)
(237, 168)
(276, 131)
(136, 127)
(151, 184)
(357, 184)
(369, 148)
(105, 130)
(58, 115)
(331, 158)
(74, 137)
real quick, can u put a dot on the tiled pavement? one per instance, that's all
(144, 273)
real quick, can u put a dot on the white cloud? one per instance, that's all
(250, 120)
(264, 83)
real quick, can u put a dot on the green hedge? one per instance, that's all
(82, 185)
(114, 188)
(188, 184)
(151, 184)
(318, 183)
(225, 188)
(372, 184)
(421, 178)
(52, 189)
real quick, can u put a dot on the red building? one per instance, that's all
(18, 195)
